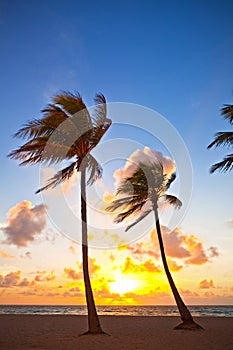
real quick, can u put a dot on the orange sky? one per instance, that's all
(48, 270)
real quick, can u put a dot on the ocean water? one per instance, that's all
(216, 310)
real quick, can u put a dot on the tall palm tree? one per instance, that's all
(224, 138)
(76, 134)
(143, 189)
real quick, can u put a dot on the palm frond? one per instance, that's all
(170, 180)
(60, 177)
(141, 217)
(100, 110)
(124, 202)
(134, 209)
(173, 200)
(222, 138)
(223, 166)
(227, 112)
(94, 168)
(73, 104)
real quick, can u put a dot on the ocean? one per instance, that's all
(216, 310)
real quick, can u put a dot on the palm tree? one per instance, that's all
(76, 134)
(144, 188)
(224, 138)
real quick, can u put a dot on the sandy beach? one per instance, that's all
(62, 332)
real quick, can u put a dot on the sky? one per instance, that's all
(171, 59)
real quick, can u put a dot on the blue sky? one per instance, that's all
(174, 57)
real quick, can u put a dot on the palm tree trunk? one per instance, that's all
(188, 322)
(93, 319)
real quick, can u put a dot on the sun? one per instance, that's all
(122, 285)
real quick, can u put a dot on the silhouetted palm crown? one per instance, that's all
(146, 186)
(67, 131)
(224, 138)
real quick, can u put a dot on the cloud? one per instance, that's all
(204, 284)
(77, 274)
(145, 156)
(140, 249)
(131, 267)
(196, 249)
(25, 222)
(178, 245)
(173, 266)
(10, 280)
(230, 222)
(4, 254)
(174, 242)
(45, 277)
(72, 274)
(73, 292)
(13, 279)
(188, 293)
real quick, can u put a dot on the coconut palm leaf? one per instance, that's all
(60, 177)
(173, 200)
(170, 180)
(141, 217)
(100, 110)
(223, 166)
(222, 138)
(94, 168)
(227, 112)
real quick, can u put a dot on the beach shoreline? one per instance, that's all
(47, 332)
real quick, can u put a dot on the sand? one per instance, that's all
(145, 333)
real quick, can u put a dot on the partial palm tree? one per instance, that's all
(137, 196)
(68, 132)
(224, 138)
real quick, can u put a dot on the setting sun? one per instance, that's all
(122, 285)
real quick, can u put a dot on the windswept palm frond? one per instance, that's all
(124, 202)
(73, 105)
(60, 177)
(100, 110)
(227, 112)
(223, 166)
(52, 118)
(141, 217)
(65, 131)
(173, 200)
(170, 180)
(222, 138)
(94, 168)
(134, 209)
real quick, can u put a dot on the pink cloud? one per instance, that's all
(77, 274)
(145, 156)
(25, 222)
(13, 279)
(188, 248)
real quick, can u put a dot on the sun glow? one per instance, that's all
(122, 286)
